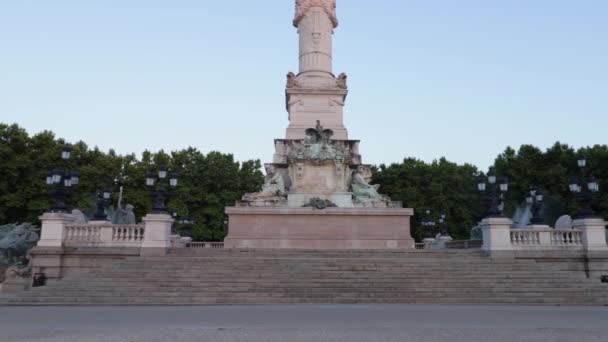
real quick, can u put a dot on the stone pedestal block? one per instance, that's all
(52, 231)
(496, 235)
(308, 228)
(593, 234)
(157, 235)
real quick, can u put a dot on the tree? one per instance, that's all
(440, 186)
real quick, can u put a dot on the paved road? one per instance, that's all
(350, 323)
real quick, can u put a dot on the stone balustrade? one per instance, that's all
(546, 239)
(104, 235)
(211, 245)
(500, 239)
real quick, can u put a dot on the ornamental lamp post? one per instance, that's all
(444, 224)
(103, 200)
(584, 190)
(493, 189)
(535, 199)
(157, 190)
(61, 182)
(428, 225)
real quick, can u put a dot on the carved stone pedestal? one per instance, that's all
(308, 228)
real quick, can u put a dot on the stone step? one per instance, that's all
(197, 277)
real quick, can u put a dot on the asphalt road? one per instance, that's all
(292, 323)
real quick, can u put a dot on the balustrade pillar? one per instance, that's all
(52, 232)
(497, 236)
(593, 231)
(157, 237)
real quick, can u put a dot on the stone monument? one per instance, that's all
(317, 193)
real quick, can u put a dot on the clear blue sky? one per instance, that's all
(428, 78)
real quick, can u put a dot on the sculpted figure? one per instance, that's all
(318, 134)
(365, 191)
(341, 81)
(273, 188)
(123, 214)
(79, 217)
(292, 82)
(16, 243)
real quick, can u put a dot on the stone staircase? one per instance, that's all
(199, 277)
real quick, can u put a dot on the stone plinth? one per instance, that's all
(308, 228)
(593, 233)
(496, 235)
(53, 229)
(157, 236)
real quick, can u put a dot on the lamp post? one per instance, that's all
(428, 225)
(535, 199)
(61, 182)
(158, 191)
(494, 190)
(186, 224)
(103, 200)
(443, 224)
(584, 189)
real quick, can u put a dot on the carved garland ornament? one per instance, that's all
(302, 7)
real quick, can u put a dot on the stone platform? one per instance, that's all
(309, 228)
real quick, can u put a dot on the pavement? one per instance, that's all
(295, 323)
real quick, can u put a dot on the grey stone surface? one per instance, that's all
(305, 323)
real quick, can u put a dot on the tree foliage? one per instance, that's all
(442, 185)
(439, 186)
(207, 182)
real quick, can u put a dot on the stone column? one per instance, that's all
(53, 229)
(316, 20)
(593, 234)
(157, 234)
(497, 236)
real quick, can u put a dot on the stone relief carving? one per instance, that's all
(302, 7)
(320, 204)
(318, 147)
(365, 193)
(274, 188)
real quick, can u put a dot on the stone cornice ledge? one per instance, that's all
(327, 211)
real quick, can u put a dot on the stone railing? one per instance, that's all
(546, 239)
(419, 246)
(211, 245)
(103, 235)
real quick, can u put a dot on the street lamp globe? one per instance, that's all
(492, 175)
(75, 177)
(150, 179)
(574, 187)
(539, 196)
(481, 183)
(66, 152)
(57, 175)
(592, 184)
(162, 172)
(581, 161)
(173, 179)
(504, 184)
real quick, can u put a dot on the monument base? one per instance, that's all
(308, 228)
